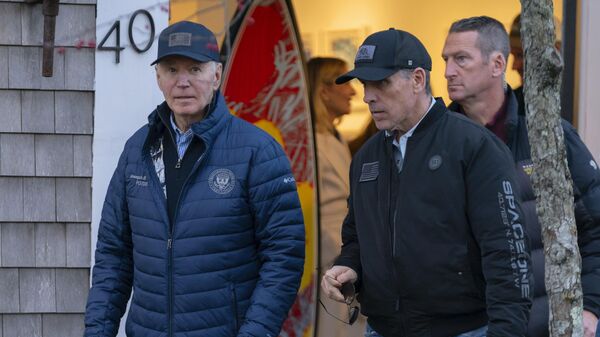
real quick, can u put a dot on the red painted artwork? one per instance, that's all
(265, 84)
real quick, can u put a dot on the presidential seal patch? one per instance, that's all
(221, 181)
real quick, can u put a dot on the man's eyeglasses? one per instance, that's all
(348, 292)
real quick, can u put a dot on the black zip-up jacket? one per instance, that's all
(586, 183)
(440, 248)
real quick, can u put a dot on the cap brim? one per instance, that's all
(193, 56)
(366, 74)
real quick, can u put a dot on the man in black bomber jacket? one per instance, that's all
(475, 74)
(434, 240)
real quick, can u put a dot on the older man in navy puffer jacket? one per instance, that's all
(201, 218)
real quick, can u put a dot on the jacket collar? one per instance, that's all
(437, 110)
(512, 112)
(206, 129)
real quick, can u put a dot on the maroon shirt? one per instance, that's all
(498, 124)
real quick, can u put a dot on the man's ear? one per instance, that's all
(218, 75)
(419, 79)
(499, 64)
(158, 78)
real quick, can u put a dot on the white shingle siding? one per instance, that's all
(46, 139)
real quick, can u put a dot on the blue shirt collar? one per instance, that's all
(178, 132)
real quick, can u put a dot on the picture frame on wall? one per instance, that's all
(344, 43)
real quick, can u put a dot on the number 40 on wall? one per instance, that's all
(117, 27)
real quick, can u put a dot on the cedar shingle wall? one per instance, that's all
(46, 129)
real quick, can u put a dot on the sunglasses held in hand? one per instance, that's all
(348, 292)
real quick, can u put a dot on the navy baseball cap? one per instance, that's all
(384, 53)
(188, 39)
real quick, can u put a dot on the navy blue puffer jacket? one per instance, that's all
(229, 265)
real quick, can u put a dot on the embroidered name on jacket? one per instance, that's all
(221, 181)
(139, 180)
(369, 172)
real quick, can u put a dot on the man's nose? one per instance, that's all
(368, 96)
(450, 70)
(183, 80)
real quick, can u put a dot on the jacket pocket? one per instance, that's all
(234, 309)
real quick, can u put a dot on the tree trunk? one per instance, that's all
(551, 178)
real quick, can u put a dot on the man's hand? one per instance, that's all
(590, 322)
(334, 278)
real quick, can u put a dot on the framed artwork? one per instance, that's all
(276, 100)
(344, 43)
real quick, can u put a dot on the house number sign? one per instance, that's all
(116, 28)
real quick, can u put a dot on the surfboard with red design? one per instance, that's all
(265, 84)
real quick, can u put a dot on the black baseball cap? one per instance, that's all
(188, 39)
(385, 52)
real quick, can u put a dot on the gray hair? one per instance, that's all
(213, 65)
(492, 35)
(405, 73)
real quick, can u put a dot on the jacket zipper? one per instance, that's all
(170, 284)
(170, 253)
(170, 243)
(392, 171)
(170, 247)
(393, 223)
(394, 233)
(178, 165)
(153, 176)
(172, 229)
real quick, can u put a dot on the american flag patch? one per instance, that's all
(180, 39)
(370, 171)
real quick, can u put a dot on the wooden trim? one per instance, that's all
(569, 52)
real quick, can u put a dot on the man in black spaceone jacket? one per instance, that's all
(434, 240)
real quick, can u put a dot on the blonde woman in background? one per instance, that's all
(329, 102)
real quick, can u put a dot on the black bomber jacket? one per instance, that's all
(441, 247)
